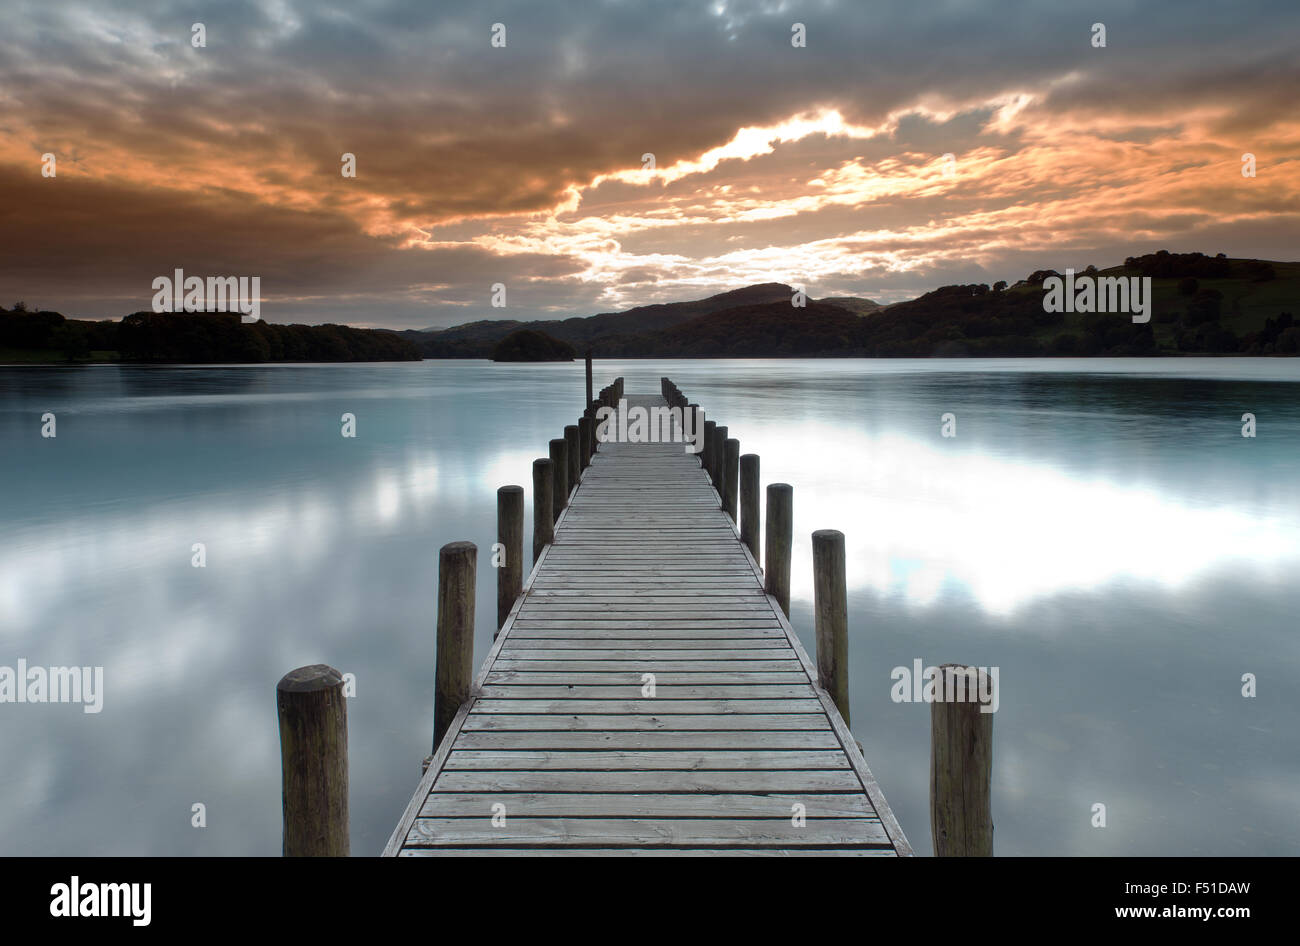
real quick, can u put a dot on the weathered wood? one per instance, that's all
(645, 576)
(780, 534)
(542, 805)
(543, 498)
(831, 616)
(313, 717)
(719, 453)
(572, 447)
(632, 832)
(510, 535)
(749, 522)
(586, 428)
(588, 360)
(961, 764)
(730, 476)
(559, 476)
(706, 456)
(457, 564)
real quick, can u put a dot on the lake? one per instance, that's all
(1098, 530)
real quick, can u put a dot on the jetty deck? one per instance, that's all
(565, 748)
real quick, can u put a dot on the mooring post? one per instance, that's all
(543, 498)
(961, 764)
(730, 476)
(588, 375)
(719, 458)
(706, 455)
(510, 534)
(559, 477)
(776, 558)
(831, 610)
(696, 427)
(457, 565)
(585, 429)
(749, 525)
(572, 446)
(313, 762)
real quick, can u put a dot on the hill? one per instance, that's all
(527, 345)
(1200, 305)
(189, 338)
(597, 332)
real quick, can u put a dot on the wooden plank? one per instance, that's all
(588, 805)
(812, 780)
(695, 760)
(695, 676)
(666, 722)
(716, 739)
(669, 693)
(651, 662)
(637, 832)
(648, 707)
(729, 851)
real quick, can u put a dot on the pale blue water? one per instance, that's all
(1099, 531)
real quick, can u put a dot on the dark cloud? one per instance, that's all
(229, 155)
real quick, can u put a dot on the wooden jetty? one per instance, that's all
(645, 694)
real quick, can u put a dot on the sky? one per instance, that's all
(905, 146)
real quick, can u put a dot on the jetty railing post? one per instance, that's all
(776, 558)
(313, 716)
(749, 524)
(696, 428)
(831, 610)
(585, 432)
(457, 565)
(706, 455)
(589, 376)
(961, 764)
(719, 452)
(543, 498)
(559, 477)
(510, 533)
(572, 444)
(730, 477)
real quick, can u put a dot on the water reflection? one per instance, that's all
(1107, 539)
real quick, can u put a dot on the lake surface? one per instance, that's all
(1098, 530)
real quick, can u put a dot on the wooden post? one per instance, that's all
(457, 564)
(706, 455)
(831, 610)
(776, 560)
(560, 477)
(313, 762)
(749, 524)
(585, 430)
(572, 446)
(588, 375)
(510, 533)
(730, 476)
(696, 427)
(543, 499)
(719, 454)
(961, 764)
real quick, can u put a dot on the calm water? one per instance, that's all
(1100, 531)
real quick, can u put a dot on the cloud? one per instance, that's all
(523, 165)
